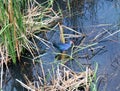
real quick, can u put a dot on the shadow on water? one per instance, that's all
(14, 72)
(98, 20)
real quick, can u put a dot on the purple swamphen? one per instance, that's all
(63, 46)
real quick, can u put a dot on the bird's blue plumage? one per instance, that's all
(63, 46)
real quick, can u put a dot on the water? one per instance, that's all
(98, 20)
(99, 16)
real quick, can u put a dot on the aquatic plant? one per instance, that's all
(61, 79)
(19, 21)
(12, 28)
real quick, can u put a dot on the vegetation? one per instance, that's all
(21, 20)
(12, 29)
(62, 80)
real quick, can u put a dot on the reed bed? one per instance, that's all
(21, 20)
(62, 80)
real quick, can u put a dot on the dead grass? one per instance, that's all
(62, 80)
(37, 17)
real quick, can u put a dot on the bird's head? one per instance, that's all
(71, 42)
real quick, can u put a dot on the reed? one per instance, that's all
(61, 79)
(20, 20)
(94, 79)
(12, 30)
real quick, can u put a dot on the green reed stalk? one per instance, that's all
(15, 31)
(11, 15)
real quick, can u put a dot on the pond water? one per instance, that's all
(99, 20)
(93, 17)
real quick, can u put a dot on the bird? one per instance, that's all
(63, 46)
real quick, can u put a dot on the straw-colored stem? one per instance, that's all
(62, 40)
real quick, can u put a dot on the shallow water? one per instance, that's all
(99, 16)
(91, 17)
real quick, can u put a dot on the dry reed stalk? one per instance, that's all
(64, 79)
(62, 40)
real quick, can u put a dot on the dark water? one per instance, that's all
(99, 20)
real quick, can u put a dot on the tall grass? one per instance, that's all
(19, 20)
(12, 30)
(94, 80)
